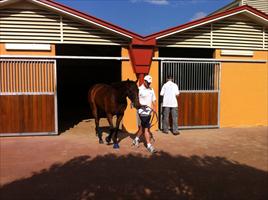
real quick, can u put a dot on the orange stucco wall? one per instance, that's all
(130, 117)
(129, 120)
(244, 91)
(154, 72)
(3, 51)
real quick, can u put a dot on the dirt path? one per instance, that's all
(198, 164)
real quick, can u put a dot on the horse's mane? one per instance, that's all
(119, 85)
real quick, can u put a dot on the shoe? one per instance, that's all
(176, 133)
(151, 149)
(165, 131)
(135, 143)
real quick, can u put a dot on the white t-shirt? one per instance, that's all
(146, 97)
(170, 90)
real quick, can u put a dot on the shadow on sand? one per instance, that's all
(159, 176)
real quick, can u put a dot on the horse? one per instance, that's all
(112, 100)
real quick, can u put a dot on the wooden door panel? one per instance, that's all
(198, 109)
(27, 113)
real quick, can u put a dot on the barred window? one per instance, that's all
(192, 76)
(27, 76)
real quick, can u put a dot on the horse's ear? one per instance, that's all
(128, 80)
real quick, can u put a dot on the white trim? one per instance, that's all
(65, 57)
(207, 22)
(230, 52)
(28, 134)
(15, 46)
(68, 13)
(198, 127)
(263, 37)
(25, 93)
(211, 35)
(209, 59)
(219, 96)
(200, 91)
(56, 120)
(61, 29)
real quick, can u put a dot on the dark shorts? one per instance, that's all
(145, 121)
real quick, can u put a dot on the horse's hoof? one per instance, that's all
(108, 140)
(116, 146)
(100, 141)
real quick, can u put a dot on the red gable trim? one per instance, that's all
(141, 54)
(207, 19)
(98, 21)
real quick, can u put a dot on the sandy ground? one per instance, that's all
(227, 163)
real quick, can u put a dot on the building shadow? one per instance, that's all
(160, 176)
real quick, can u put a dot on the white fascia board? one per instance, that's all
(81, 18)
(35, 47)
(210, 21)
(231, 52)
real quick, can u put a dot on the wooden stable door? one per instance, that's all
(27, 97)
(198, 109)
(198, 83)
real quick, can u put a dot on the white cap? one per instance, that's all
(148, 78)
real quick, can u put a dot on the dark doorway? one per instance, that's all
(76, 76)
(185, 52)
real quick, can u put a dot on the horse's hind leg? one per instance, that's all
(97, 127)
(98, 130)
(110, 120)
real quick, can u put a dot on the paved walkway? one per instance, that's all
(227, 163)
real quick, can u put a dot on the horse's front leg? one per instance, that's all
(118, 120)
(110, 120)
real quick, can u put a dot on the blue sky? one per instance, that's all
(146, 16)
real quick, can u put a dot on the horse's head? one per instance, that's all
(132, 92)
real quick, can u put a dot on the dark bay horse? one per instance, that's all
(112, 100)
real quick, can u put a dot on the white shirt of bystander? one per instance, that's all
(169, 92)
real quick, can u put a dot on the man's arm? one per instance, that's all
(154, 102)
(154, 106)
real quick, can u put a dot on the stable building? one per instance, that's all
(51, 54)
(220, 65)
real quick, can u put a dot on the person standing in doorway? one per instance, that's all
(170, 92)
(148, 101)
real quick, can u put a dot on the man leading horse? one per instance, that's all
(148, 101)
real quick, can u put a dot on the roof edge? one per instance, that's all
(205, 20)
(134, 36)
(99, 22)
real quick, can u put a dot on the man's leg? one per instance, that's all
(139, 133)
(147, 135)
(165, 119)
(148, 143)
(174, 113)
(136, 140)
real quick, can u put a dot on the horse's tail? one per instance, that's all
(91, 95)
(91, 100)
